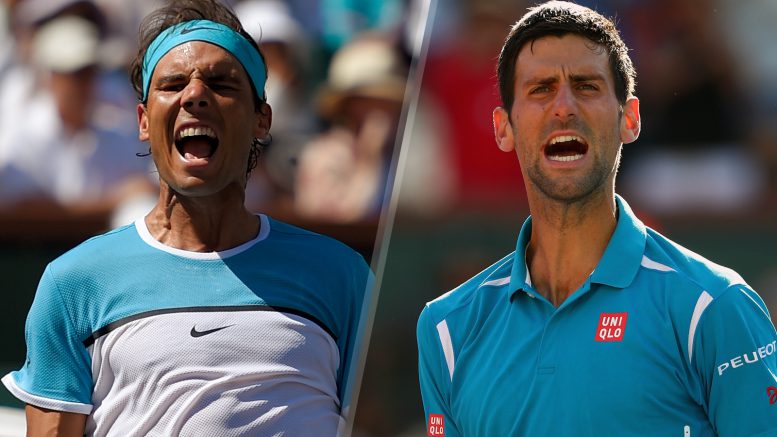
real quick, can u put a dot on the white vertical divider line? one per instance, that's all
(388, 212)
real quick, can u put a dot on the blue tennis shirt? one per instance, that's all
(147, 339)
(658, 341)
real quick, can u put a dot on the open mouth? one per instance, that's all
(566, 148)
(199, 142)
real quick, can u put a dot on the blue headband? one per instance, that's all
(208, 31)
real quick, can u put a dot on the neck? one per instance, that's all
(201, 224)
(568, 239)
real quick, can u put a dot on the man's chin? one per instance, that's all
(570, 189)
(194, 187)
(569, 192)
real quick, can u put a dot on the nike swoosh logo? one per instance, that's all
(195, 333)
(192, 29)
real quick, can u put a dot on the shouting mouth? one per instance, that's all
(566, 148)
(196, 143)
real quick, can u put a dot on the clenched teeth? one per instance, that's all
(196, 131)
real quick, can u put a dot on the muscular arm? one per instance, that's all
(42, 422)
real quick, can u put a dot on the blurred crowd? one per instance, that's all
(707, 83)
(338, 68)
(68, 123)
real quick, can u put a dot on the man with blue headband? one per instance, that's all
(201, 318)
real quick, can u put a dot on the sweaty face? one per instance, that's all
(200, 119)
(567, 125)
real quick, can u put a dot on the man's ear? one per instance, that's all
(630, 122)
(142, 122)
(263, 121)
(503, 131)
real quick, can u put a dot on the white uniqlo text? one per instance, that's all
(611, 326)
(436, 425)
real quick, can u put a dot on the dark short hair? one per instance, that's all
(179, 11)
(559, 18)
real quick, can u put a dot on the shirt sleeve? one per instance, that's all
(362, 282)
(57, 371)
(435, 379)
(736, 359)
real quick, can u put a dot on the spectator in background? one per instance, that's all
(20, 78)
(342, 172)
(696, 158)
(286, 49)
(749, 33)
(6, 35)
(458, 91)
(60, 146)
(334, 23)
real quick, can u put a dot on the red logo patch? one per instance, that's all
(611, 326)
(772, 392)
(436, 426)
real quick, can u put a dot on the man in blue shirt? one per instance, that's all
(595, 325)
(201, 318)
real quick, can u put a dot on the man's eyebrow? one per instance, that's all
(170, 78)
(541, 80)
(573, 77)
(586, 77)
(209, 76)
(221, 76)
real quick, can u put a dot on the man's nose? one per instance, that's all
(195, 95)
(565, 104)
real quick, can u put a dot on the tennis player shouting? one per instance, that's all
(200, 319)
(596, 325)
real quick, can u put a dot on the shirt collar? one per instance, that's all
(519, 276)
(619, 263)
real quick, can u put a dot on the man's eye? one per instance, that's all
(222, 86)
(587, 87)
(171, 87)
(539, 89)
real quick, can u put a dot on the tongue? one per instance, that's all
(196, 149)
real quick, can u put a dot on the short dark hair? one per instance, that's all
(179, 11)
(559, 18)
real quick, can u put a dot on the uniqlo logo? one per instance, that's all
(436, 426)
(611, 326)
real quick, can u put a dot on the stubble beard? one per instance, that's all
(572, 190)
